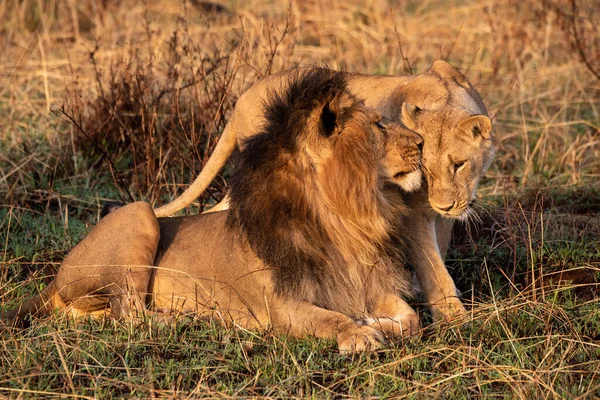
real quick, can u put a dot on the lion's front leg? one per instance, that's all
(301, 318)
(425, 256)
(394, 317)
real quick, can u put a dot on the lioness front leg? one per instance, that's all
(300, 318)
(394, 316)
(424, 254)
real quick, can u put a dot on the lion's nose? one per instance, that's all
(448, 208)
(418, 141)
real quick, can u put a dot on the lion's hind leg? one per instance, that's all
(113, 265)
(108, 271)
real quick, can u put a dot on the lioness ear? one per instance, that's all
(447, 71)
(409, 115)
(477, 125)
(329, 118)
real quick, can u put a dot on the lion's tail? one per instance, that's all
(40, 305)
(225, 146)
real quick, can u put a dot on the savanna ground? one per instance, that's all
(120, 100)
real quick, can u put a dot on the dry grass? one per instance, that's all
(108, 99)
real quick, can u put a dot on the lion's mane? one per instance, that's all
(316, 215)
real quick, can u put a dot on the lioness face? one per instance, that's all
(456, 153)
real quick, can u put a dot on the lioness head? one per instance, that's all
(456, 153)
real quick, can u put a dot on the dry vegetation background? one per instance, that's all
(114, 99)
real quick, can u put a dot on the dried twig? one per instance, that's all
(578, 43)
(119, 182)
(408, 67)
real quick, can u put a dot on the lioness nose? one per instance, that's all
(450, 207)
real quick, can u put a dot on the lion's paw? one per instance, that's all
(400, 326)
(449, 309)
(358, 339)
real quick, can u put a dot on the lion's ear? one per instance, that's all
(409, 115)
(477, 125)
(329, 118)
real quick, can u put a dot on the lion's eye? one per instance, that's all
(380, 125)
(458, 165)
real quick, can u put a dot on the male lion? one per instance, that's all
(309, 245)
(439, 104)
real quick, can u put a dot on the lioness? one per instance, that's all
(443, 107)
(309, 245)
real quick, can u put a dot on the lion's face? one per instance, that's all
(402, 159)
(394, 148)
(457, 152)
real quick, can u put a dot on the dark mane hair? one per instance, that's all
(316, 254)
